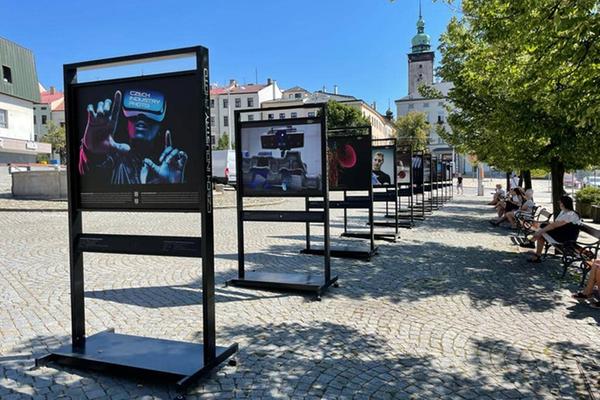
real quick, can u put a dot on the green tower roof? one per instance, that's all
(421, 42)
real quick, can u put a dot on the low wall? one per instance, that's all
(49, 184)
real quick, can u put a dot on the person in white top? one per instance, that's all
(499, 194)
(517, 198)
(525, 210)
(514, 181)
(564, 228)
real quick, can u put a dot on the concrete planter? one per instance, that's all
(584, 209)
(596, 214)
(48, 185)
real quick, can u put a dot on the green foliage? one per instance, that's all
(343, 116)
(223, 143)
(589, 194)
(525, 76)
(539, 173)
(413, 128)
(57, 137)
(42, 158)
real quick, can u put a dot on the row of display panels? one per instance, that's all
(137, 145)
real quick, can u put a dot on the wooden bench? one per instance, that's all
(528, 222)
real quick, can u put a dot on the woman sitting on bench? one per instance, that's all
(517, 198)
(564, 228)
(593, 281)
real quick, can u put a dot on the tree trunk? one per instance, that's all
(557, 170)
(520, 184)
(526, 176)
(508, 174)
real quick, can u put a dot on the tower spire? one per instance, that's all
(420, 16)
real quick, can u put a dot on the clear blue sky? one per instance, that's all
(360, 45)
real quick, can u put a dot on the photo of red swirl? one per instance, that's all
(346, 156)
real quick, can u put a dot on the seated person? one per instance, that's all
(564, 228)
(593, 281)
(499, 194)
(526, 209)
(511, 204)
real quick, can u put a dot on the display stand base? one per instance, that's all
(389, 237)
(297, 282)
(177, 362)
(364, 255)
(401, 224)
(406, 216)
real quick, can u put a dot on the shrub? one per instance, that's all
(589, 194)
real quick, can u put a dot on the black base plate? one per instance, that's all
(284, 282)
(364, 255)
(389, 237)
(401, 224)
(180, 363)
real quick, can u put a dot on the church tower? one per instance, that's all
(420, 59)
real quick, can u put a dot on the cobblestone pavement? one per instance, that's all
(450, 311)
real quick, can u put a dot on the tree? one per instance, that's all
(413, 128)
(521, 70)
(223, 143)
(342, 116)
(57, 137)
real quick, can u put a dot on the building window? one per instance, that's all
(225, 103)
(226, 121)
(34, 120)
(250, 117)
(281, 115)
(440, 119)
(311, 114)
(6, 74)
(213, 140)
(290, 96)
(250, 102)
(441, 104)
(298, 95)
(238, 102)
(411, 106)
(271, 116)
(212, 103)
(425, 105)
(3, 119)
(62, 124)
(44, 119)
(212, 120)
(44, 108)
(294, 115)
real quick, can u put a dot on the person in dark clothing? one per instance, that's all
(459, 184)
(380, 177)
(132, 162)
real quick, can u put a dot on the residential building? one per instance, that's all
(18, 94)
(381, 126)
(224, 101)
(420, 72)
(50, 108)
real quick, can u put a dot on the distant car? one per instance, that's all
(223, 166)
(591, 181)
(570, 180)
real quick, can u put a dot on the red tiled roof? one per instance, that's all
(47, 97)
(60, 107)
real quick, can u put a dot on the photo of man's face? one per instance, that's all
(378, 161)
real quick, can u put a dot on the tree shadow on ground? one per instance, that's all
(19, 379)
(323, 360)
(413, 271)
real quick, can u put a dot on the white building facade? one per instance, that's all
(224, 101)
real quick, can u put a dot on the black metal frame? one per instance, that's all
(284, 281)
(178, 362)
(349, 202)
(406, 190)
(388, 195)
